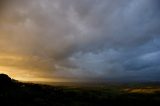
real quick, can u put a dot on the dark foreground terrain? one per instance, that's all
(14, 93)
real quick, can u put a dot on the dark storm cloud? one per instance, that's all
(84, 38)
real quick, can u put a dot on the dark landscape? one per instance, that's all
(14, 93)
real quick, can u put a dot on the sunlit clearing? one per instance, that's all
(143, 90)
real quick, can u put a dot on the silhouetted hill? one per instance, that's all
(4, 79)
(28, 94)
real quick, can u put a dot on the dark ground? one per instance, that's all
(14, 93)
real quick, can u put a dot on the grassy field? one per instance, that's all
(30, 94)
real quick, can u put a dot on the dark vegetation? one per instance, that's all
(14, 93)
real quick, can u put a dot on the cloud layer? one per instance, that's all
(83, 39)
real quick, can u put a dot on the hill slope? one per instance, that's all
(15, 93)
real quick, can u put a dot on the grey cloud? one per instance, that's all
(144, 62)
(84, 38)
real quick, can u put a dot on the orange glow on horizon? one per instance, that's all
(24, 75)
(16, 66)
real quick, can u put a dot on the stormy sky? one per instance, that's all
(81, 39)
